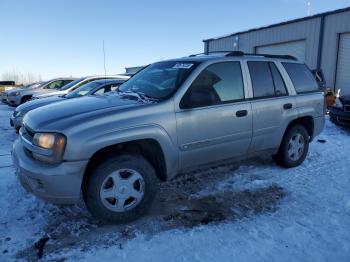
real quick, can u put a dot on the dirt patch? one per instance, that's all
(229, 205)
(176, 206)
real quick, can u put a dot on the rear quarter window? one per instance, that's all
(302, 78)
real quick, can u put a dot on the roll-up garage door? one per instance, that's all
(295, 48)
(343, 65)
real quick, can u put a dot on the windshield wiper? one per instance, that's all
(139, 96)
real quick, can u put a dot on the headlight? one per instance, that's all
(53, 142)
(338, 103)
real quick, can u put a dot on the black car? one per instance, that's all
(340, 112)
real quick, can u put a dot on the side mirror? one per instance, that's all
(197, 96)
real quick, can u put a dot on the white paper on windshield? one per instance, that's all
(183, 65)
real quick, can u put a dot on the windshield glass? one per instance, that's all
(159, 80)
(69, 85)
(84, 89)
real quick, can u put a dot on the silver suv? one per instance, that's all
(20, 96)
(171, 117)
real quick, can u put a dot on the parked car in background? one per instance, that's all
(96, 87)
(4, 94)
(7, 83)
(173, 116)
(340, 111)
(17, 97)
(77, 83)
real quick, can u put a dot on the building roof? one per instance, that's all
(282, 23)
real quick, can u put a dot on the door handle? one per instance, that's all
(287, 106)
(241, 113)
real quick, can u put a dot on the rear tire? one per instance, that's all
(294, 147)
(121, 189)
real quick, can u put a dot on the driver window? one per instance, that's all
(114, 87)
(217, 84)
(55, 84)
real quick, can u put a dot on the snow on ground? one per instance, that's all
(255, 211)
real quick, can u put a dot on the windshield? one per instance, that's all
(84, 89)
(159, 80)
(69, 85)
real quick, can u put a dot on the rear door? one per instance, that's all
(214, 120)
(272, 106)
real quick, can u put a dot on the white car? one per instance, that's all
(77, 83)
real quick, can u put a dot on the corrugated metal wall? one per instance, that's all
(308, 30)
(334, 26)
(247, 42)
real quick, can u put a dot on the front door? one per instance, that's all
(214, 122)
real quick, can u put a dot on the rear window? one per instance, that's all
(302, 78)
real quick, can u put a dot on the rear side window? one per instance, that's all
(266, 79)
(302, 78)
(280, 86)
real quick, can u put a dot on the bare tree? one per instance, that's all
(20, 78)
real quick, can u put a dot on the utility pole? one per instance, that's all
(309, 7)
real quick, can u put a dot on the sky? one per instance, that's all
(64, 37)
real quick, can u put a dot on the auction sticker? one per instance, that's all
(183, 65)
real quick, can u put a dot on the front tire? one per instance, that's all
(294, 147)
(121, 189)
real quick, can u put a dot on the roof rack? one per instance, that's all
(211, 52)
(240, 53)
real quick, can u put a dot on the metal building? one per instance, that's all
(132, 70)
(322, 41)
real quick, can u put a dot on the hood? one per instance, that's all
(70, 111)
(30, 105)
(22, 90)
(51, 93)
(32, 91)
(15, 90)
(345, 99)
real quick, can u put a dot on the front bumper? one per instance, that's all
(4, 99)
(58, 184)
(14, 100)
(339, 117)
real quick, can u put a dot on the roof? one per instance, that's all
(282, 23)
(230, 54)
(106, 76)
(109, 80)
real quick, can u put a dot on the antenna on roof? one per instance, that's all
(309, 7)
(104, 58)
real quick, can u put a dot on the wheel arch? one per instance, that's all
(306, 121)
(23, 98)
(149, 148)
